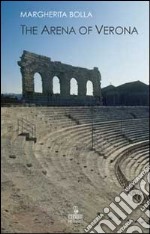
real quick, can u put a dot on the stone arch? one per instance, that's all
(38, 86)
(31, 63)
(89, 88)
(73, 87)
(56, 85)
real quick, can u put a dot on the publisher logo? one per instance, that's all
(76, 217)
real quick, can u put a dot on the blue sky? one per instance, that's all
(120, 58)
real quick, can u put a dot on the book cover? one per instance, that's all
(75, 116)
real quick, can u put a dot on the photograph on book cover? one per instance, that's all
(75, 117)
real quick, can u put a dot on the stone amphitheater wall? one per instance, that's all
(31, 63)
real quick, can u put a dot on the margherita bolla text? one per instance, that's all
(55, 14)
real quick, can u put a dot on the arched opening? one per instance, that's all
(56, 85)
(73, 87)
(38, 83)
(89, 88)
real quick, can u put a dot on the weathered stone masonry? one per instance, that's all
(32, 63)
